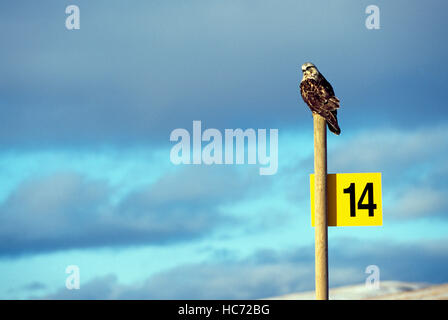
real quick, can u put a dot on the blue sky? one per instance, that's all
(85, 120)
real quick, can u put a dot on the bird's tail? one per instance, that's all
(332, 121)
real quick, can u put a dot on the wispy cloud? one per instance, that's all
(270, 272)
(391, 148)
(413, 163)
(133, 73)
(418, 202)
(67, 210)
(232, 65)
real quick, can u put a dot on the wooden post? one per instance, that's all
(320, 205)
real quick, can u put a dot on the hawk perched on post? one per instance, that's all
(318, 94)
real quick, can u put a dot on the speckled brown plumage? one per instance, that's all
(319, 96)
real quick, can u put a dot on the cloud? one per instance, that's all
(232, 65)
(275, 272)
(390, 149)
(67, 210)
(225, 280)
(279, 272)
(29, 287)
(417, 202)
(412, 162)
(415, 261)
(413, 166)
(105, 287)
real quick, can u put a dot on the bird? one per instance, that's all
(318, 94)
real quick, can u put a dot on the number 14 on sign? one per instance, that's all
(353, 199)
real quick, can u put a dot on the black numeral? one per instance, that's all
(351, 190)
(371, 206)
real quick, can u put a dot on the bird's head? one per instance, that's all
(309, 71)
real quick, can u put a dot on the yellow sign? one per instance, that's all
(353, 199)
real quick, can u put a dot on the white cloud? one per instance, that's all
(382, 149)
(67, 211)
(272, 273)
(420, 202)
